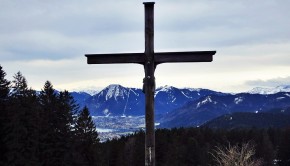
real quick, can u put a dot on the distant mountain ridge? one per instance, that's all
(279, 118)
(200, 111)
(118, 100)
(260, 90)
(182, 107)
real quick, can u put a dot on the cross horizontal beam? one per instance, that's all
(115, 58)
(193, 56)
(159, 57)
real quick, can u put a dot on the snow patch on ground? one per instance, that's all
(206, 100)
(186, 95)
(173, 100)
(238, 100)
(280, 98)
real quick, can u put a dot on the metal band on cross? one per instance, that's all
(150, 60)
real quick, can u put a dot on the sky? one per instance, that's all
(47, 40)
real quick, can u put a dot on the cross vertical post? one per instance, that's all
(149, 84)
(150, 59)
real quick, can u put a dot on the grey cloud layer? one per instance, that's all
(56, 29)
(248, 35)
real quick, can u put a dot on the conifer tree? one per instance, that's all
(4, 87)
(56, 126)
(20, 87)
(4, 92)
(66, 108)
(21, 129)
(48, 107)
(86, 138)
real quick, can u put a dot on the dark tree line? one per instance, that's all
(49, 129)
(45, 129)
(196, 146)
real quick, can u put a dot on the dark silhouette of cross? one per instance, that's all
(150, 60)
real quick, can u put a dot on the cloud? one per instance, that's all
(218, 24)
(270, 83)
(62, 29)
(48, 40)
(55, 30)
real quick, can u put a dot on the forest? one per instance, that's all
(48, 128)
(45, 128)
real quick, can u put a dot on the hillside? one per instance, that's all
(207, 108)
(251, 120)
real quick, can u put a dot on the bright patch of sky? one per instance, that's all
(47, 40)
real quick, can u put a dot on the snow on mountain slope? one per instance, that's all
(91, 91)
(197, 112)
(168, 98)
(260, 90)
(119, 100)
(115, 91)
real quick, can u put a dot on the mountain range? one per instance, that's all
(198, 112)
(261, 90)
(184, 107)
(117, 100)
(270, 119)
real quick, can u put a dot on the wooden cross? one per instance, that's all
(150, 60)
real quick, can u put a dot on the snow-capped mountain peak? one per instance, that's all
(90, 92)
(165, 88)
(283, 88)
(117, 100)
(194, 89)
(261, 90)
(115, 91)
